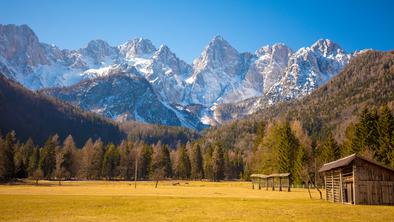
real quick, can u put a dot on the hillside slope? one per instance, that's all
(37, 116)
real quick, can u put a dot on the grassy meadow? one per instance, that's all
(189, 201)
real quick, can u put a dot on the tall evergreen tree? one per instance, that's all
(7, 164)
(47, 156)
(196, 162)
(299, 165)
(287, 148)
(34, 168)
(97, 160)
(110, 162)
(218, 163)
(208, 167)
(144, 161)
(330, 149)
(366, 134)
(385, 151)
(182, 163)
(126, 159)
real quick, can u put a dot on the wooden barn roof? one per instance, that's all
(346, 161)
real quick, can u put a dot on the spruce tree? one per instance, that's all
(330, 149)
(7, 164)
(385, 131)
(33, 168)
(126, 160)
(110, 162)
(196, 162)
(167, 161)
(144, 162)
(287, 147)
(182, 163)
(217, 163)
(95, 170)
(208, 168)
(47, 157)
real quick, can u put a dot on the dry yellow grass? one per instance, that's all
(195, 201)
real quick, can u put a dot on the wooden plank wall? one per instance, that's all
(333, 186)
(374, 184)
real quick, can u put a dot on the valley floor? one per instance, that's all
(189, 201)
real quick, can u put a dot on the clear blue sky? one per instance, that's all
(187, 26)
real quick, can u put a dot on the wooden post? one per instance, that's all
(332, 185)
(325, 184)
(288, 183)
(259, 183)
(136, 170)
(354, 185)
(273, 183)
(266, 187)
(280, 183)
(340, 185)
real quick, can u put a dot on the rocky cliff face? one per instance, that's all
(179, 93)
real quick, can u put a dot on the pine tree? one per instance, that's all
(144, 162)
(167, 161)
(161, 166)
(330, 149)
(218, 163)
(347, 148)
(7, 164)
(95, 170)
(126, 160)
(196, 162)
(19, 160)
(385, 131)
(22, 162)
(47, 156)
(182, 163)
(287, 147)
(110, 162)
(366, 134)
(208, 168)
(34, 169)
(299, 165)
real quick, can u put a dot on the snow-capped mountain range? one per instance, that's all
(138, 81)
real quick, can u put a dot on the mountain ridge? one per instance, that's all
(220, 75)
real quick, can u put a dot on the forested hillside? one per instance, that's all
(37, 116)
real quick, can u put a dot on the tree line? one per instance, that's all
(96, 160)
(232, 152)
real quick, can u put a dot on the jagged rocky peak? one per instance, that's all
(138, 47)
(327, 48)
(99, 50)
(99, 47)
(278, 53)
(219, 54)
(164, 53)
(20, 46)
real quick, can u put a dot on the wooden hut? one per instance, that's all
(358, 180)
(277, 180)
